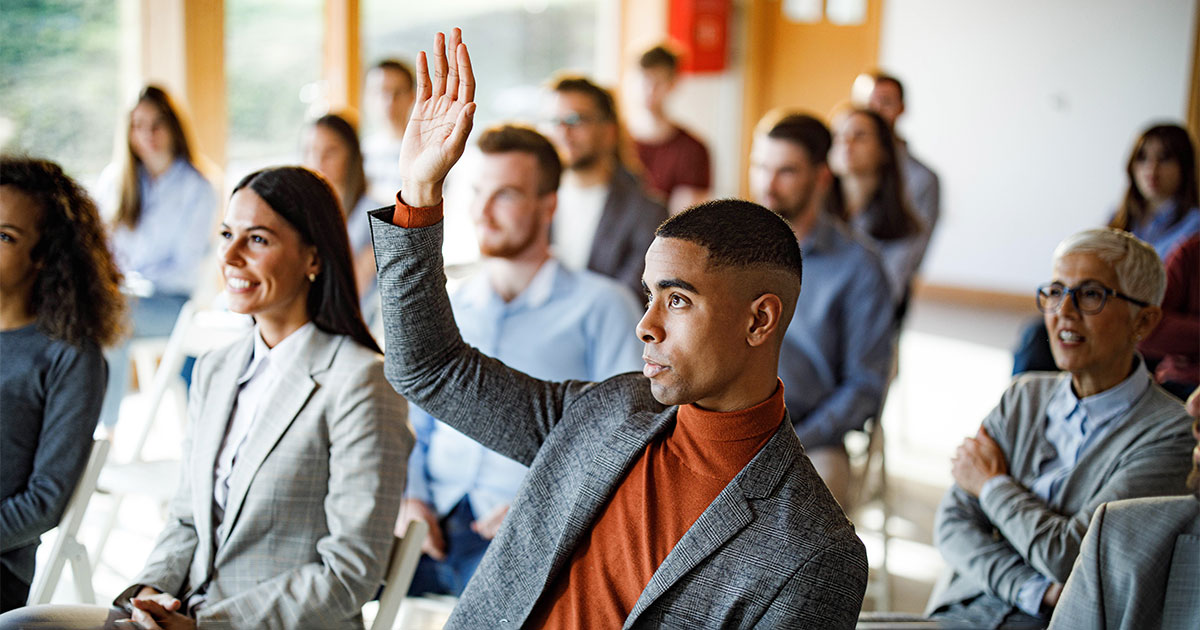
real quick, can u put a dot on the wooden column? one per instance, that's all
(343, 55)
(183, 49)
(1193, 117)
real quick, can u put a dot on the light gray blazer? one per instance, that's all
(773, 549)
(312, 500)
(1139, 568)
(993, 547)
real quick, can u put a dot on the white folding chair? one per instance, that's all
(66, 547)
(195, 332)
(406, 552)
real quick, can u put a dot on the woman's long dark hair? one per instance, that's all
(888, 214)
(355, 185)
(76, 296)
(306, 201)
(129, 199)
(1178, 146)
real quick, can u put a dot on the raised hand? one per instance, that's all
(441, 121)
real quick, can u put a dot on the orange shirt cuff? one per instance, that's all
(407, 216)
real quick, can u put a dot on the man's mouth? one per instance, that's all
(652, 369)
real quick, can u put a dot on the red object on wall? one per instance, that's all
(701, 27)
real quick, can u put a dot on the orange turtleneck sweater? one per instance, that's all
(670, 485)
(676, 478)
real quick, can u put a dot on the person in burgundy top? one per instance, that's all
(677, 163)
(675, 498)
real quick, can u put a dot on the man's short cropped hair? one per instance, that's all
(883, 77)
(601, 98)
(396, 65)
(738, 233)
(802, 130)
(508, 137)
(660, 56)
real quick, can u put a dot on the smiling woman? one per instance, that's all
(298, 413)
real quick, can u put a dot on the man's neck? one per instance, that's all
(804, 221)
(509, 277)
(857, 190)
(651, 126)
(598, 174)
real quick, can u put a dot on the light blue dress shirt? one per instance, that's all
(1072, 425)
(565, 325)
(838, 348)
(174, 231)
(1162, 234)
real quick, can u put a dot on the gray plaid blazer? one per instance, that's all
(1139, 568)
(312, 500)
(773, 549)
(992, 547)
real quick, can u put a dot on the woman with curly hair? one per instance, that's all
(59, 304)
(162, 210)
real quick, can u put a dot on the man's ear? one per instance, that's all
(767, 312)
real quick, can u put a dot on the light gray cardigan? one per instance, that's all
(993, 547)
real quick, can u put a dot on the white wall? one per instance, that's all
(1027, 109)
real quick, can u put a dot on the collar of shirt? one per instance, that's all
(478, 293)
(173, 172)
(283, 354)
(1100, 409)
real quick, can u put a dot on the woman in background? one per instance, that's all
(1160, 204)
(162, 210)
(869, 195)
(332, 149)
(60, 304)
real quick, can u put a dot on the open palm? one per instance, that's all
(441, 121)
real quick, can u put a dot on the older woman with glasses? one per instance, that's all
(1060, 444)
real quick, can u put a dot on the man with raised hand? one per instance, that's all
(680, 497)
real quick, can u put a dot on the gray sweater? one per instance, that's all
(50, 395)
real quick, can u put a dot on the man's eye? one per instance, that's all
(676, 300)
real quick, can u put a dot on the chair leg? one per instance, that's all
(81, 569)
(110, 523)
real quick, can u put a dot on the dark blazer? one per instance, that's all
(626, 230)
(1139, 568)
(773, 548)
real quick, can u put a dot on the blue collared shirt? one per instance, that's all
(565, 325)
(838, 347)
(1164, 235)
(1072, 425)
(174, 231)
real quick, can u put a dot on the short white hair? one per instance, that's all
(1140, 272)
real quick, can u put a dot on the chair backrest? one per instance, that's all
(406, 552)
(195, 332)
(65, 545)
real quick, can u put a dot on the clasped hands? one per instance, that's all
(977, 460)
(153, 610)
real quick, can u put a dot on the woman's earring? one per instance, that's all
(312, 277)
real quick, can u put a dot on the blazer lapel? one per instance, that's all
(727, 515)
(612, 227)
(277, 411)
(208, 436)
(613, 459)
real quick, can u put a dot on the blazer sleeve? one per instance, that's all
(970, 543)
(1049, 541)
(1082, 602)
(428, 362)
(820, 594)
(369, 443)
(171, 559)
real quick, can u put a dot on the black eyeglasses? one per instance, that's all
(1089, 297)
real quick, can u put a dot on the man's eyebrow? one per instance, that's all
(678, 284)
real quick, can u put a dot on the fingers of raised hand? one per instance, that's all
(452, 59)
(466, 76)
(440, 65)
(424, 89)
